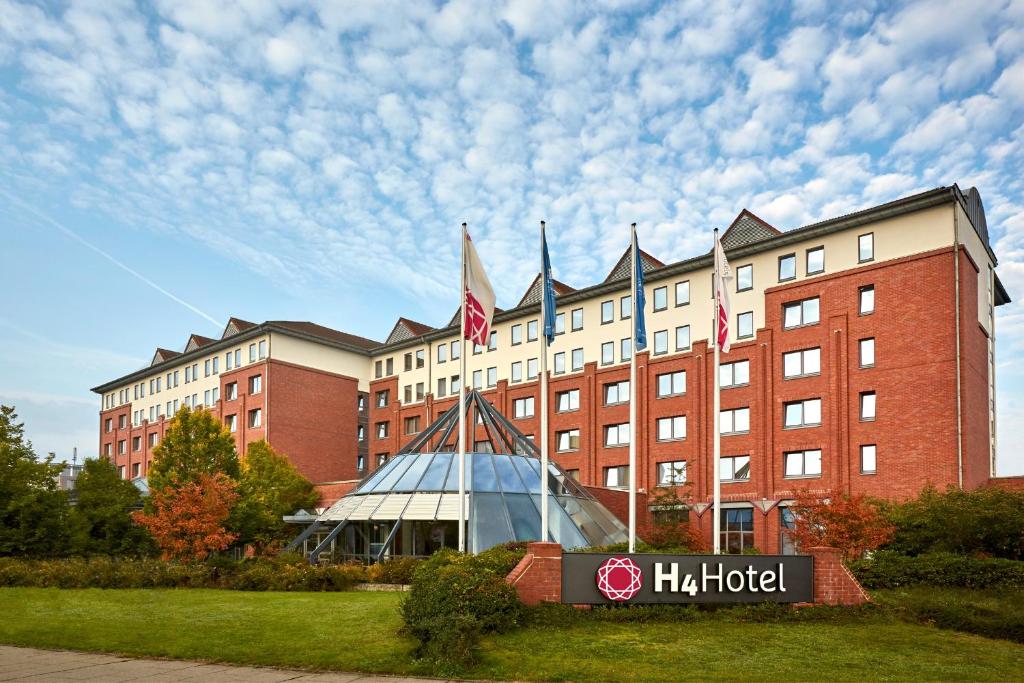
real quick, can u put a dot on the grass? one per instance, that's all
(358, 632)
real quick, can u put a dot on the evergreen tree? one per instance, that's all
(101, 522)
(270, 488)
(33, 512)
(195, 444)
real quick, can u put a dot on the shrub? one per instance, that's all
(851, 523)
(455, 599)
(987, 521)
(888, 569)
(394, 570)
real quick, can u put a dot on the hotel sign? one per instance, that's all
(637, 579)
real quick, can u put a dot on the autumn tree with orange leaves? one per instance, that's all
(851, 523)
(188, 521)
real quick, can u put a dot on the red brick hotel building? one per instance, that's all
(863, 361)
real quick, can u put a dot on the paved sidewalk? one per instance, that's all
(27, 664)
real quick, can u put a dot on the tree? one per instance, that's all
(101, 521)
(33, 512)
(671, 528)
(270, 487)
(188, 521)
(851, 523)
(195, 444)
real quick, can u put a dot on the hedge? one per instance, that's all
(888, 569)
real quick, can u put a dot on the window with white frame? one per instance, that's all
(232, 422)
(660, 298)
(231, 391)
(682, 293)
(802, 463)
(745, 278)
(136, 443)
(683, 338)
(734, 374)
(799, 313)
(801, 363)
(616, 477)
(735, 468)
(867, 405)
(672, 473)
(734, 421)
(616, 435)
(868, 459)
(153, 439)
(866, 300)
(577, 360)
(866, 248)
(255, 417)
(616, 392)
(517, 371)
(745, 325)
(568, 440)
(672, 383)
(607, 353)
(566, 401)
(256, 384)
(672, 428)
(867, 352)
(815, 260)
(806, 413)
(523, 407)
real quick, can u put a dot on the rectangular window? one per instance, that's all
(382, 430)
(232, 423)
(120, 472)
(412, 425)
(616, 477)
(735, 468)
(801, 363)
(867, 352)
(255, 384)
(478, 379)
(672, 384)
(566, 401)
(455, 384)
(745, 325)
(421, 358)
(492, 377)
(660, 342)
(660, 298)
(517, 371)
(108, 425)
(802, 463)
(255, 417)
(360, 433)
(569, 440)
(442, 385)
(683, 338)
(136, 443)
(531, 368)
(188, 374)
(206, 401)
(231, 391)
(787, 267)
(522, 407)
(442, 353)
(560, 363)
(734, 374)
(252, 353)
(626, 349)
(456, 350)
(153, 440)
(682, 293)
(421, 391)
(492, 342)
(616, 435)
(672, 428)
(577, 360)
(816, 260)
(360, 462)
(389, 367)
(408, 362)
(378, 369)
(477, 349)
(517, 335)
(560, 323)
(806, 413)
(382, 459)
(577, 319)
(616, 393)
(531, 331)
(216, 369)
(867, 405)
(868, 464)
(215, 394)
(382, 398)
(238, 364)
(737, 530)
(800, 313)
(745, 278)
(176, 373)
(607, 353)
(625, 307)
(607, 311)
(229, 363)
(263, 349)
(672, 473)
(735, 421)
(866, 247)
(407, 393)
(867, 300)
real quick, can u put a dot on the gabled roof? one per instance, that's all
(407, 329)
(533, 292)
(747, 228)
(314, 330)
(236, 325)
(196, 341)
(621, 269)
(161, 355)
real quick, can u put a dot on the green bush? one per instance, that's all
(394, 570)
(888, 569)
(455, 599)
(986, 521)
(996, 613)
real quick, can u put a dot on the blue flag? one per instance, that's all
(548, 292)
(640, 333)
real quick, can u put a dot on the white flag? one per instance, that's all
(724, 273)
(478, 299)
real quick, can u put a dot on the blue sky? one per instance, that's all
(164, 166)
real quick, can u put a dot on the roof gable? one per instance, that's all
(533, 292)
(747, 228)
(196, 341)
(407, 329)
(162, 355)
(236, 325)
(621, 269)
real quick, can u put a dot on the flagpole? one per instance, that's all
(717, 488)
(543, 394)
(462, 400)
(632, 394)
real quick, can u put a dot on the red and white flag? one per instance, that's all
(479, 297)
(724, 273)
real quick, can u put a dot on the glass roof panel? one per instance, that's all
(507, 475)
(412, 476)
(434, 479)
(484, 478)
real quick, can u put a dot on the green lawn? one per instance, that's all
(358, 631)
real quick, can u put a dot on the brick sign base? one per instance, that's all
(538, 577)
